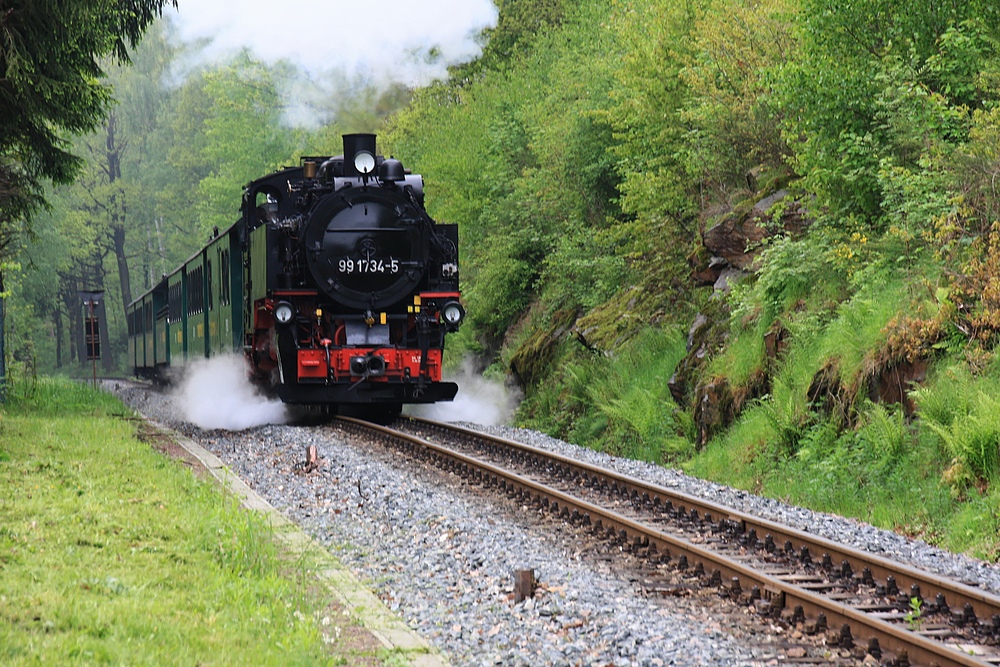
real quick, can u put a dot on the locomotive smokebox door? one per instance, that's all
(358, 252)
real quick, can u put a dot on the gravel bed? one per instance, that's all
(445, 561)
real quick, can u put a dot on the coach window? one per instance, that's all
(174, 299)
(196, 291)
(208, 281)
(225, 288)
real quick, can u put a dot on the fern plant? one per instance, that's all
(972, 438)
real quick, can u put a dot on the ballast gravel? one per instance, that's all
(443, 557)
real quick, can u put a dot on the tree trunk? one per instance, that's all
(123, 275)
(58, 320)
(114, 148)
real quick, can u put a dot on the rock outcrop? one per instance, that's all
(731, 247)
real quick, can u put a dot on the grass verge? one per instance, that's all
(111, 553)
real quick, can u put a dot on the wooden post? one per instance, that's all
(524, 585)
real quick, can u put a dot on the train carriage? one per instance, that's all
(176, 315)
(146, 322)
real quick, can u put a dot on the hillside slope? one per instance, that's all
(755, 240)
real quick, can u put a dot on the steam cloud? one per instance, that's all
(406, 41)
(215, 394)
(479, 401)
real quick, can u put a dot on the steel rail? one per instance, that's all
(958, 595)
(919, 650)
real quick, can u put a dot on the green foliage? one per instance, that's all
(948, 395)
(742, 357)
(519, 23)
(872, 472)
(974, 526)
(785, 412)
(243, 136)
(643, 419)
(881, 85)
(50, 85)
(619, 403)
(656, 230)
(581, 258)
(964, 412)
(884, 431)
(970, 176)
(912, 617)
(502, 289)
(789, 269)
(518, 155)
(733, 120)
(793, 290)
(742, 458)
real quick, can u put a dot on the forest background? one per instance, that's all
(759, 241)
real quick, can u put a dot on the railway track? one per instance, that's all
(855, 600)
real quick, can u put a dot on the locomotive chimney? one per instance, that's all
(355, 144)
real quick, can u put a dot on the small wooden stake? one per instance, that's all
(524, 585)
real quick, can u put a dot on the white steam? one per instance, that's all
(412, 41)
(216, 394)
(479, 401)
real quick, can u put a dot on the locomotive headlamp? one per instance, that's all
(452, 313)
(283, 312)
(364, 162)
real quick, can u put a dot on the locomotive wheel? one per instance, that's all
(311, 415)
(377, 413)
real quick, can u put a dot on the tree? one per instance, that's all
(875, 84)
(244, 135)
(50, 84)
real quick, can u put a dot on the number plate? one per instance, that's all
(374, 265)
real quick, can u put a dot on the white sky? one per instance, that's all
(377, 37)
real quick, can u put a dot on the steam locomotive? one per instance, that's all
(335, 282)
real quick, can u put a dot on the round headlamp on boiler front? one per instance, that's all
(283, 312)
(364, 162)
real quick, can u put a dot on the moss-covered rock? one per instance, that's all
(533, 358)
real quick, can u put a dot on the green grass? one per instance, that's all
(743, 356)
(111, 553)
